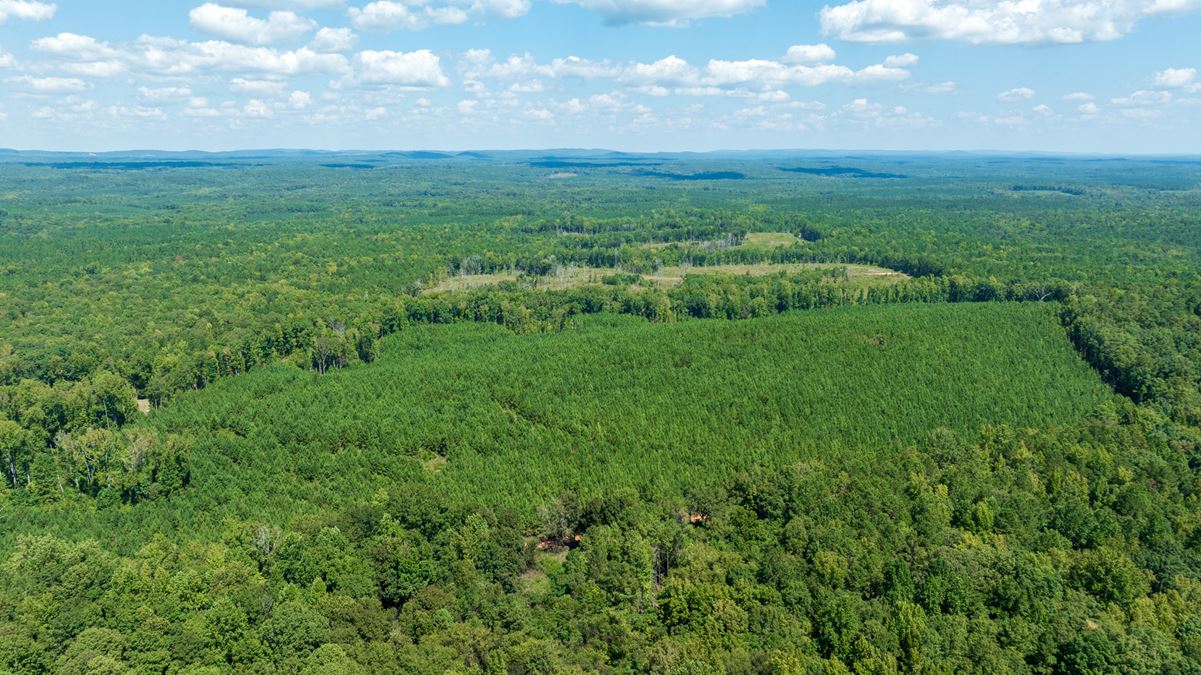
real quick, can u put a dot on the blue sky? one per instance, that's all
(1113, 76)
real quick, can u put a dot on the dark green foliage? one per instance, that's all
(68, 435)
(481, 414)
(796, 473)
(825, 564)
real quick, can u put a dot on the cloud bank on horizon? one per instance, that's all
(1074, 75)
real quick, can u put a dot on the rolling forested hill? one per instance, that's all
(482, 416)
(503, 412)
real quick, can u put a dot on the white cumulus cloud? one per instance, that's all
(136, 112)
(170, 57)
(990, 22)
(1143, 98)
(940, 87)
(1175, 77)
(329, 40)
(82, 55)
(1178, 78)
(901, 61)
(76, 47)
(257, 109)
(531, 87)
(48, 85)
(70, 108)
(26, 9)
(165, 93)
(242, 85)
(291, 4)
(671, 69)
(238, 25)
(664, 12)
(300, 100)
(421, 68)
(867, 112)
(1019, 94)
(419, 14)
(770, 74)
(810, 54)
(750, 77)
(479, 63)
(95, 68)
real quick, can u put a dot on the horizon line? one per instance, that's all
(836, 151)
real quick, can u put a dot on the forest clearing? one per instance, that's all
(575, 277)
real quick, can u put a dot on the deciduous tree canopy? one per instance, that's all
(464, 417)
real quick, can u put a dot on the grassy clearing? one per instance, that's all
(566, 277)
(753, 240)
(674, 276)
(574, 277)
(467, 282)
(770, 240)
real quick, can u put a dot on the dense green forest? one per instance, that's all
(509, 412)
(481, 415)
